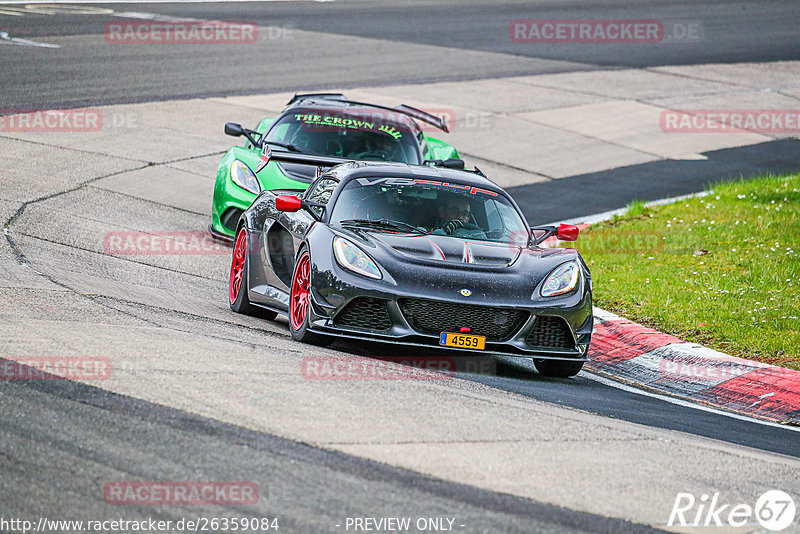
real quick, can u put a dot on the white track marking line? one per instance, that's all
(685, 403)
(5, 38)
(606, 215)
(527, 363)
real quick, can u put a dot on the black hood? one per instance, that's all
(448, 249)
(438, 267)
(429, 249)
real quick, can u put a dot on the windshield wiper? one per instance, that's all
(291, 148)
(385, 223)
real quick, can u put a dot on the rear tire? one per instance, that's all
(237, 283)
(558, 368)
(300, 303)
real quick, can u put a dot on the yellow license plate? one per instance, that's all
(462, 341)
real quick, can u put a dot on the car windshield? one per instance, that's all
(352, 136)
(408, 206)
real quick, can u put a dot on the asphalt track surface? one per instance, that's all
(61, 439)
(308, 489)
(88, 73)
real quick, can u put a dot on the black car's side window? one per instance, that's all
(321, 193)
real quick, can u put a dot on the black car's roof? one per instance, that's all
(363, 169)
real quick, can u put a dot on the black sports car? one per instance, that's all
(416, 255)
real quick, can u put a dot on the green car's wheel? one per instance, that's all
(300, 302)
(237, 286)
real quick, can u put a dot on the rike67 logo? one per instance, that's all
(774, 510)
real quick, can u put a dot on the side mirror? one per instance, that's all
(450, 163)
(453, 163)
(288, 203)
(233, 129)
(567, 232)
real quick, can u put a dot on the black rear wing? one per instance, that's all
(424, 116)
(267, 155)
(307, 159)
(415, 113)
(298, 97)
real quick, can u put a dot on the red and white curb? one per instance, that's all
(634, 353)
(630, 352)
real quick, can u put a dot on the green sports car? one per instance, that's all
(321, 130)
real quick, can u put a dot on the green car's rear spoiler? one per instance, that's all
(268, 155)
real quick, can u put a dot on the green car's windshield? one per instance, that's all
(406, 205)
(346, 135)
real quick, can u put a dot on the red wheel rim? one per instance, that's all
(301, 283)
(237, 265)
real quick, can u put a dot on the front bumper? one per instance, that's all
(220, 237)
(415, 301)
(576, 324)
(225, 213)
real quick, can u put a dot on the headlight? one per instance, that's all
(562, 280)
(353, 258)
(244, 177)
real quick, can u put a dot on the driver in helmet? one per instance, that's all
(375, 146)
(453, 214)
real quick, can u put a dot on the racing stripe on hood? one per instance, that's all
(448, 249)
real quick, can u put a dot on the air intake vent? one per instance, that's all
(550, 332)
(366, 313)
(435, 317)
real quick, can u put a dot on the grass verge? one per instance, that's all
(721, 270)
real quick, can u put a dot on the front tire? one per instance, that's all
(300, 302)
(558, 368)
(237, 283)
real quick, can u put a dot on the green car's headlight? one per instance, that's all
(244, 177)
(562, 280)
(353, 258)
